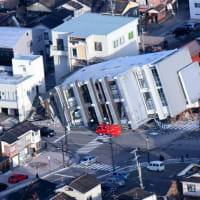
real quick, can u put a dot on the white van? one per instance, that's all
(156, 166)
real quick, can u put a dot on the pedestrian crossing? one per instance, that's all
(95, 166)
(185, 126)
(96, 142)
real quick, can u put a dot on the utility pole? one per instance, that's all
(139, 169)
(63, 156)
(147, 148)
(111, 147)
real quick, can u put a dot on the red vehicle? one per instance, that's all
(15, 178)
(113, 129)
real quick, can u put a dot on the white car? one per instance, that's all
(156, 166)
(87, 160)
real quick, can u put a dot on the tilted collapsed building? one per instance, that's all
(131, 90)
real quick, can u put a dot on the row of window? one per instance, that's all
(116, 43)
(11, 96)
(121, 40)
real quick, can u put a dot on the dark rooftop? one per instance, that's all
(135, 194)
(54, 19)
(12, 134)
(84, 183)
(40, 188)
(52, 4)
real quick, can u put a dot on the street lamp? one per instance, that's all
(147, 148)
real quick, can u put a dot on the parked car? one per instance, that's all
(47, 132)
(180, 31)
(15, 178)
(87, 160)
(121, 174)
(3, 186)
(108, 188)
(192, 26)
(116, 180)
(113, 129)
(156, 166)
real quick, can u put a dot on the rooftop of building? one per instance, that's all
(29, 57)
(135, 194)
(93, 24)
(115, 66)
(8, 79)
(11, 135)
(10, 36)
(84, 183)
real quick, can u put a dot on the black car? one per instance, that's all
(3, 186)
(180, 31)
(47, 132)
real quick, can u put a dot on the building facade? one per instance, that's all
(131, 90)
(19, 143)
(20, 87)
(194, 9)
(82, 41)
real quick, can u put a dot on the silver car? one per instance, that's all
(116, 180)
(87, 160)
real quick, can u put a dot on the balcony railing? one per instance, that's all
(58, 51)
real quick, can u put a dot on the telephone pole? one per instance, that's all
(138, 168)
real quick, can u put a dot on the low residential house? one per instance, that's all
(131, 90)
(156, 11)
(20, 41)
(20, 143)
(20, 86)
(91, 38)
(194, 49)
(78, 8)
(194, 9)
(190, 180)
(118, 7)
(85, 187)
(137, 194)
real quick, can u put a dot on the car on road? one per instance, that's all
(47, 132)
(109, 129)
(180, 31)
(156, 166)
(87, 160)
(121, 174)
(116, 180)
(15, 178)
(192, 26)
(3, 186)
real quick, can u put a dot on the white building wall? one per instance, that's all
(133, 102)
(26, 93)
(33, 67)
(187, 193)
(194, 11)
(168, 72)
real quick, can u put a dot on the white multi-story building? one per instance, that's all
(19, 87)
(91, 38)
(194, 9)
(131, 90)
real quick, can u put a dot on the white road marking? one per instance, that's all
(60, 138)
(63, 175)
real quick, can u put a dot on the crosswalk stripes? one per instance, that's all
(96, 142)
(95, 166)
